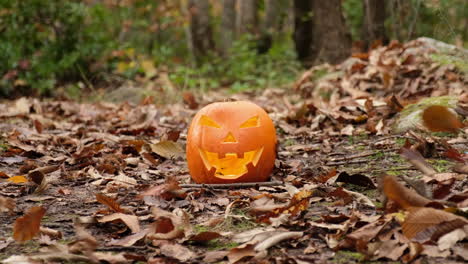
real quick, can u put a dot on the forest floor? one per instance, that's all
(108, 182)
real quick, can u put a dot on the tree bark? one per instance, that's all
(303, 28)
(272, 15)
(228, 25)
(247, 17)
(200, 34)
(374, 19)
(331, 40)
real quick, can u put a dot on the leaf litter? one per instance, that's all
(108, 182)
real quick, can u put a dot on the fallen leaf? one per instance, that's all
(403, 196)
(130, 220)
(130, 240)
(168, 191)
(448, 240)
(169, 225)
(174, 250)
(190, 100)
(423, 223)
(27, 226)
(238, 253)
(109, 202)
(204, 237)
(167, 149)
(7, 204)
(18, 179)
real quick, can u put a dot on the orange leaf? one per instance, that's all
(27, 226)
(109, 202)
(438, 118)
(18, 179)
(403, 196)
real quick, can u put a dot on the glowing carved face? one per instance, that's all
(231, 142)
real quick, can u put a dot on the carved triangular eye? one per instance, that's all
(251, 122)
(206, 121)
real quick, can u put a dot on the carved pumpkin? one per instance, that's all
(231, 142)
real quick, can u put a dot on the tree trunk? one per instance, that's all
(247, 17)
(303, 28)
(272, 15)
(228, 24)
(331, 40)
(200, 34)
(374, 19)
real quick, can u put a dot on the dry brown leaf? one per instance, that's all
(430, 221)
(4, 175)
(7, 204)
(169, 225)
(204, 237)
(168, 191)
(27, 226)
(84, 243)
(239, 253)
(403, 196)
(415, 158)
(174, 250)
(130, 240)
(52, 233)
(439, 118)
(167, 149)
(190, 100)
(109, 202)
(448, 240)
(130, 220)
(299, 202)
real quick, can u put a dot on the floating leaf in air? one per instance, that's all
(439, 118)
(27, 226)
(411, 116)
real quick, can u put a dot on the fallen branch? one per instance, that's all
(232, 185)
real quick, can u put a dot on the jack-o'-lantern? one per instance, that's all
(230, 142)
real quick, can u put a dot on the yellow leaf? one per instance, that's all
(130, 52)
(18, 179)
(122, 67)
(148, 68)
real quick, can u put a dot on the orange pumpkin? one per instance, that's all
(231, 142)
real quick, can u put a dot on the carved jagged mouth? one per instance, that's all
(231, 166)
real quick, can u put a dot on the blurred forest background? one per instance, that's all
(67, 47)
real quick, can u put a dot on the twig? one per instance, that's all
(231, 185)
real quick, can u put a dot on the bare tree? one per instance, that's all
(200, 32)
(228, 24)
(247, 17)
(374, 19)
(303, 28)
(324, 37)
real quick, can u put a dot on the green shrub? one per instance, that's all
(45, 42)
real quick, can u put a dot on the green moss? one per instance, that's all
(400, 141)
(244, 223)
(393, 173)
(378, 155)
(289, 142)
(441, 165)
(200, 228)
(344, 257)
(446, 59)
(218, 244)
